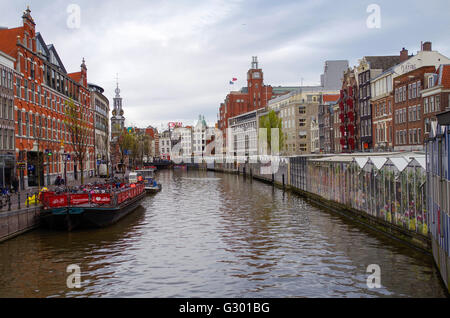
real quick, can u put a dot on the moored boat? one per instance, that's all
(147, 176)
(94, 208)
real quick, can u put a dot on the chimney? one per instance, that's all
(404, 55)
(426, 46)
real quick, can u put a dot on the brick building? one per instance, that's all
(408, 111)
(346, 119)
(369, 67)
(7, 123)
(435, 95)
(383, 93)
(42, 87)
(326, 142)
(152, 132)
(255, 96)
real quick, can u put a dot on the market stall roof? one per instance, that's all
(418, 161)
(378, 162)
(361, 161)
(400, 163)
(422, 161)
(335, 159)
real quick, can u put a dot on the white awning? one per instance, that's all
(419, 161)
(378, 162)
(361, 161)
(400, 163)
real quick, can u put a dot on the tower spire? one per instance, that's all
(117, 86)
(254, 62)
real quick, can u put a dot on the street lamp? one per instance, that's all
(48, 152)
(66, 157)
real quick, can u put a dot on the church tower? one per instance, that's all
(258, 93)
(117, 119)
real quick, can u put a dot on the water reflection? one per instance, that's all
(214, 235)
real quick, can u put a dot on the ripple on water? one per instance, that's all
(216, 235)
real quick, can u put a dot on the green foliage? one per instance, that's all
(136, 145)
(127, 142)
(269, 121)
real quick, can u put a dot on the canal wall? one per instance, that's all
(13, 223)
(387, 203)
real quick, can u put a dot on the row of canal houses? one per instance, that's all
(35, 144)
(388, 103)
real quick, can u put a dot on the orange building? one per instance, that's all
(42, 86)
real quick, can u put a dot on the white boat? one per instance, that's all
(148, 177)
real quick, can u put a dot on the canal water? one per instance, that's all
(209, 234)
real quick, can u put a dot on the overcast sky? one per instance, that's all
(175, 58)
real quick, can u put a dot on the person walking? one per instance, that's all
(15, 184)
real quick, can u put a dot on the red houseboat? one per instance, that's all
(94, 207)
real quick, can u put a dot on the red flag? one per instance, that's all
(234, 79)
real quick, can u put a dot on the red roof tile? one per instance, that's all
(8, 40)
(445, 79)
(75, 76)
(330, 98)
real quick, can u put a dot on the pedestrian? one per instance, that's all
(58, 180)
(15, 184)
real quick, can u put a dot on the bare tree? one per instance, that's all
(79, 132)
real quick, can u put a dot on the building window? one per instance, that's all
(39, 127)
(5, 139)
(26, 89)
(11, 141)
(430, 81)
(32, 92)
(19, 122)
(38, 95)
(427, 125)
(18, 89)
(27, 125)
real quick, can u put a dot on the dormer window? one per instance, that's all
(430, 81)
